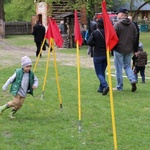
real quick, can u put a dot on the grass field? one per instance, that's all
(42, 125)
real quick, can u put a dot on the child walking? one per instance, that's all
(23, 81)
(139, 62)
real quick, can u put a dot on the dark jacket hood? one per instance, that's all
(125, 21)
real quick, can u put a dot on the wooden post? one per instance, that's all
(2, 24)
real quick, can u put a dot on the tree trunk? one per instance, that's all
(131, 4)
(1, 10)
(2, 25)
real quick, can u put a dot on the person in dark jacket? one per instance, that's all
(139, 63)
(97, 40)
(39, 33)
(123, 51)
(23, 81)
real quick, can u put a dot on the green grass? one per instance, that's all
(20, 40)
(42, 125)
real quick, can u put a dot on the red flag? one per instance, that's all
(77, 33)
(56, 33)
(53, 32)
(110, 34)
(49, 33)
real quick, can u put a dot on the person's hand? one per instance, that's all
(88, 51)
(136, 53)
(33, 87)
(4, 88)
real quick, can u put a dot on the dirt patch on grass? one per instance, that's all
(11, 55)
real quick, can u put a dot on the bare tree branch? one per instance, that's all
(137, 11)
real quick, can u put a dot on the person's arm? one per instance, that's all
(35, 84)
(136, 40)
(9, 81)
(146, 59)
(91, 39)
(33, 33)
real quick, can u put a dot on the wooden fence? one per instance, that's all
(18, 28)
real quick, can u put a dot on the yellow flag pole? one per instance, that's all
(56, 74)
(111, 100)
(39, 55)
(46, 71)
(79, 96)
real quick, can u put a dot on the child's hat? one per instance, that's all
(140, 46)
(25, 61)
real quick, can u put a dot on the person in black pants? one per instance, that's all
(39, 33)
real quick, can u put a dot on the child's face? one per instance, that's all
(27, 68)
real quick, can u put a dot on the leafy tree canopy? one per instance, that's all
(19, 10)
(23, 9)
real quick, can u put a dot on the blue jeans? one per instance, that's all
(123, 61)
(100, 64)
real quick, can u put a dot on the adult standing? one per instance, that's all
(123, 51)
(62, 27)
(39, 33)
(97, 40)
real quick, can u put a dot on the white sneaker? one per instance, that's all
(12, 116)
(115, 89)
(1, 110)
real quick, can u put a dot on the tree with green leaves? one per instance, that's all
(24, 9)
(19, 10)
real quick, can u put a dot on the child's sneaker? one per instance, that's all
(1, 110)
(11, 115)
